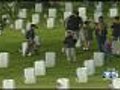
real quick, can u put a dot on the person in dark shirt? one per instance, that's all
(30, 35)
(74, 23)
(101, 33)
(116, 28)
(69, 44)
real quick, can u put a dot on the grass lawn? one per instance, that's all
(51, 40)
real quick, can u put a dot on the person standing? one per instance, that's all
(116, 28)
(101, 33)
(88, 34)
(74, 23)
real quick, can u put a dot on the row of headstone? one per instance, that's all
(30, 73)
(39, 68)
(62, 83)
(52, 12)
(4, 59)
(89, 67)
(19, 23)
(83, 13)
(82, 73)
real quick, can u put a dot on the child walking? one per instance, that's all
(69, 44)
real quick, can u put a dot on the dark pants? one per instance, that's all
(31, 46)
(101, 42)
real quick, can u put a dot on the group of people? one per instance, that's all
(81, 31)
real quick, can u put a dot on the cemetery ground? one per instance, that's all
(51, 40)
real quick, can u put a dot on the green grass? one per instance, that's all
(51, 40)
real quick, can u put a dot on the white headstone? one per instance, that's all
(23, 31)
(82, 13)
(50, 59)
(19, 24)
(99, 58)
(50, 23)
(35, 18)
(4, 59)
(89, 64)
(22, 13)
(38, 7)
(68, 6)
(24, 48)
(67, 14)
(8, 84)
(113, 12)
(116, 47)
(29, 75)
(37, 41)
(97, 15)
(52, 12)
(40, 68)
(99, 6)
(82, 76)
(28, 25)
(116, 83)
(78, 44)
(63, 83)
(11, 26)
